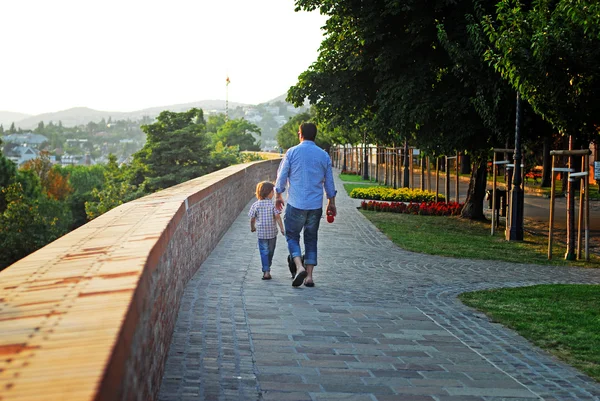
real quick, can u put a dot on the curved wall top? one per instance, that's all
(90, 316)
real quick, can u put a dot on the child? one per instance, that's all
(263, 217)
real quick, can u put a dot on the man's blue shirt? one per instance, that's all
(306, 169)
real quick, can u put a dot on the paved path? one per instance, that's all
(380, 324)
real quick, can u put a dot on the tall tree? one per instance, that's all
(549, 52)
(176, 150)
(237, 132)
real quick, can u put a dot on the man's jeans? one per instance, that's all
(297, 219)
(266, 247)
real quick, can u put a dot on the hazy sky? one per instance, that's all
(125, 55)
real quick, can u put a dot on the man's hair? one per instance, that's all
(263, 189)
(309, 131)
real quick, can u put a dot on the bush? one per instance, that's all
(423, 208)
(395, 195)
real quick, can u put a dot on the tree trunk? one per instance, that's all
(547, 163)
(465, 164)
(473, 208)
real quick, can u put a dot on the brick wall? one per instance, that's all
(114, 287)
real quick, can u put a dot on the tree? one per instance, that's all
(28, 223)
(383, 66)
(215, 122)
(55, 184)
(549, 52)
(287, 136)
(238, 132)
(176, 150)
(115, 191)
(40, 128)
(83, 180)
(8, 173)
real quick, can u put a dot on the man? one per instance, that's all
(306, 169)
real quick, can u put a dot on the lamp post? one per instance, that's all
(515, 233)
(407, 161)
(365, 168)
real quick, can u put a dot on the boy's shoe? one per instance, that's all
(266, 276)
(292, 266)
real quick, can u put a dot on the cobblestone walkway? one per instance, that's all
(380, 324)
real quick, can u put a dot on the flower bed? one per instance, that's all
(349, 172)
(422, 208)
(395, 195)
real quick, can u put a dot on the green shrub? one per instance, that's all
(395, 195)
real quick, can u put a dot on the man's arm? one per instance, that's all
(253, 224)
(283, 174)
(279, 223)
(330, 190)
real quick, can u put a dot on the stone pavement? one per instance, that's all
(380, 324)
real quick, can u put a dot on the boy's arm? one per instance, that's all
(253, 224)
(279, 223)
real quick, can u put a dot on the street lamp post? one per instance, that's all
(365, 168)
(515, 233)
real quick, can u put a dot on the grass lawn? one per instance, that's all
(562, 319)
(460, 238)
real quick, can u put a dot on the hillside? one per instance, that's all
(8, 117)
(83, 115)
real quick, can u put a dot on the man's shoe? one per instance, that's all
(299, 279)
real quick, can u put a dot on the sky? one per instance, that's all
(127, 55)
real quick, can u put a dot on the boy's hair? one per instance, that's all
(263, 189)
(309, 131)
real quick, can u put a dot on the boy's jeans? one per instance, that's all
(266, 247)
(297, 219)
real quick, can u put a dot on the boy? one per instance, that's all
(264, 218)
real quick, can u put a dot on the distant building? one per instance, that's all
(21, 154)
(77, 142)
(280, 120)
(76, 160)
(255, 118)
(28, 139)
(273, 110)
(293, 110)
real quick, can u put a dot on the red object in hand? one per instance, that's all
(330, 217)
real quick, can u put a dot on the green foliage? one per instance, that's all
(176, 150)
(549, 52)
(115, 191)
(237, 133)
(8, 173)
(223, 156)
(29, 223)
(287, 136)
(84, 180)
(394, 195)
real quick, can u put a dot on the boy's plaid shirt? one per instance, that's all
(264, 211)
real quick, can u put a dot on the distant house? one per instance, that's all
(21, 154)
(28, 139)
(293, 110)
(75, 160)
(280, 120)
(255, 118)
(77, 142)
(273, 110)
